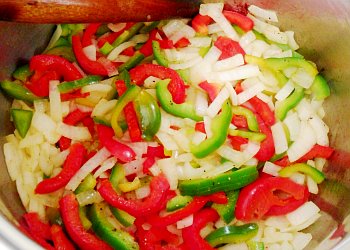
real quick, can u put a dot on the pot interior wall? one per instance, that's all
(322, 29)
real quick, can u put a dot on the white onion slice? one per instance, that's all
(201, 104)
(87, 168)
(115, 27)
(232, 93)
(271, 169)
(185, 222)
(229, 63)
(285, 91)
(292, 122)
(238, 73)
(168, 167)
(250, 93)
(106, 165)
(303, 213)
(143, 192)
(120, 48)
(55, 101)
(90, 52)
(73, 132)
(291, 41)
(279, 138)
(217, 103)
(200, 42)
(267, 15)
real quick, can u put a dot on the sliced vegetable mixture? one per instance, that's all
(178, 134)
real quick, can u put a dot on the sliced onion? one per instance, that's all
(302, 78)
(232, 93)
(133, 167)
(90, 52)
(167, 141)
(250, 93)
(31, 140)
(13, 159)
(321, 130)
(151, 81)
(292, 122)
(298, 178)
(303, 213)
(140, 38)
(181, 138)
(168, 167)
(55, 36)
(47, 126)
(217, 103)
(198, 137)
(143, 192)
(271, 169)
(88, 197)
(285, 91)
(187, 64)
(229, 63)
(185, 222)
(291, 41)
(223, 168)
(103, 107)
(238, 73)
(274, 34)
(97, 87)
(201, 104)
(214, 28)
(258, 24)
(200, 42)
(305, 110)
(232, 155)
(73, 132)
(247, 39)
(115, 27)
(188, 172)
(311, 185)
(106, 165)
(172, 27)
(120, 48)
(185, 31)
(267, 15)
(272, 51)
(87, 168)
(279, 138)
(258, 48)
(55, 101)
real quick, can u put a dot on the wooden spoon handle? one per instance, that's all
(87, 11)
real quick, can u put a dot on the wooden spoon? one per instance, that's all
(86, 11)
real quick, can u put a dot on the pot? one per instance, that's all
(322, 28)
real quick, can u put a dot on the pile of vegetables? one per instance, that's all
(176, 134)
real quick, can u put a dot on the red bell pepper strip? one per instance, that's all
(130, 114)
(59, 238)
(283, 162)
(176, 87)
(40, 86)
(263, 109)
(256, 199)
(200, 127)
(55, 63)
(91, 67)
(228, 47)
(36, 226)
(239, 121)
(244, 22)
(292, 205)
(182, 43)
(147, 164)
(69, 209)
(212, 89)
(118, 149)
(191, 234)
(72, 164)
(73, 95)
(152, 153)
(151, 204)
(130, 51)
(200, 24)
(147, 49)
(196, 204)
(237, 142)
(267, 146)
(90, 124)
(112, 36)
(42, 242)
(89, 33)
(64, 143)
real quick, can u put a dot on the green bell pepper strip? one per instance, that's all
(253, 136)
(228, 181)
(320, 88)
(117, 176)
(127, 34)
(106, 48)
(17, 91)
(178, 202)
(123, 217)
(22, 73)
(249, 115)
(130, 94)
(83, 217)
(133, 61)
(64, 51)
(125, 76)
(304, 168)
(183, 110)
(149, 27)
(22, 120)
(227, 211)
(159, 55)
(219, 127)
(118, 239)
(67, 87)
(88, 183)
(232, 234)
(289, 103)
(148, 113)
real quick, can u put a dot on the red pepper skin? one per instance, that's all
(176, 86)
(91, 67)
(128, 51)
(212, 89)
(228, 47)
(244, 22)
(118, 149)
(40, 86)
(36, 226)
(182, 43)
(197, 204)
(73, 95)
(191, 234)
(59, 238)
(55, 63)
(256, 199)
(147, 49)
(200, 24)
(239, 121)
(90, 124)
(69, 209)
(74, 161)
(317, 151)
(89, 33)
(151, 204)
(152, 153)
(283, 162)
(42, 242)
(237, 142)
(130, 114)
(267, 146)
(263, 109)
(147, 164)
(64, 143)
(292, 205)
(111, 37)
(200, 127)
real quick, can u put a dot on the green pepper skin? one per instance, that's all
(149, 114)
(256, 245)
(148, 28)
(159, 54)
(64, 51)
(123, 217)
(22, 73)
(117, 175)
(314, 173)
(22, 120)
(289, 103)
(66, 87)
(127, 34)
(253, 136)
(83, 217)
(227, 211)
(232, 234)
(320, 88)
(118, 239)
(178, 202)
(88, 183)
(249, 115)
(219, 126)
(135, 60)
(183, 110)
(17, 91)
(228, 181)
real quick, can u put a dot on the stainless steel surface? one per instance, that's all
(322, 29)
